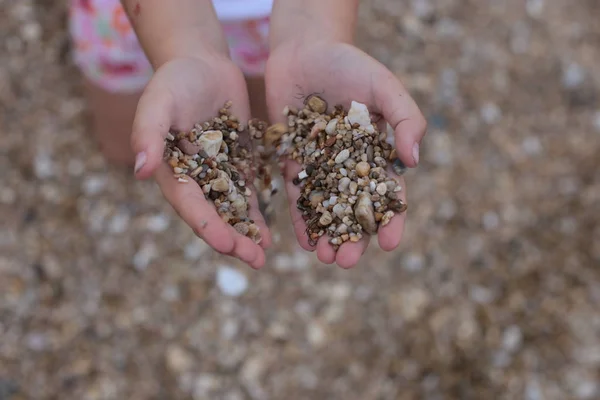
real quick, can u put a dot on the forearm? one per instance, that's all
(167, 29)
(313, 20)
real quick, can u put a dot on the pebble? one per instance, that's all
(178, 360)
(147, 252)
(326, 219)
(220, 185)
(363, 168)
(316, 104)
(344, 184)
(342, 156)
(365, 214)
(573, 76)
(330, 129)
(512, 338)
(231, 282)
(359, 114)
(381, 189)
(210, 142)
(188, 147)
(157, 223)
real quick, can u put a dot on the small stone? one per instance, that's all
(331, 127)
(178, 360)
(326, 219)
(210, 142)
(365, 214)
(231, 282)
(342, 228)
(381, 189)
(353, 187)
(241, 228)
(188, 147)
(220, 185)
(339, 210)
(398, 167)
(316, 104)
(342, 156)
(302, 174)
(387, 217)
(343, 184)
(363, 168)
(274, 133)
(359, 114)
(316, 198)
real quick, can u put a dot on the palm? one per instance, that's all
(339, 73)
(182, 93)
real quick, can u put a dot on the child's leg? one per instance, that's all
(112, 116)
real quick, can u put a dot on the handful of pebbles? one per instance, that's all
(346, 188)
(219, 155)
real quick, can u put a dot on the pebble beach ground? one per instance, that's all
(494, 292)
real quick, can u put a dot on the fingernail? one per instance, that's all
(140, 160)
(416, 153)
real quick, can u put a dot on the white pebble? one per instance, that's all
(381, 189)
(573, 76)
(359, 114)
(302, 174)
(490, 113)
(342, 156)
(94, 185)
(144, 256)
(157, 223)
(512, 338)
(194, 250)
(331, 126)
(333, 200)
(231, 281)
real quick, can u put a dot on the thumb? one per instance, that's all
(153, 119)
(402, 113)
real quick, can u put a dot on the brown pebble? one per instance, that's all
(188, 147)
(242, 228)
(316, 104)
(363, 168)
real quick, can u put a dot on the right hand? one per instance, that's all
(182, 92)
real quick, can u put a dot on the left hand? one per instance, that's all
(339, 73)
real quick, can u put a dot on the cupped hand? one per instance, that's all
(341, 73)
(181, 93)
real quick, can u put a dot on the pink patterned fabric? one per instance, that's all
(108, 53)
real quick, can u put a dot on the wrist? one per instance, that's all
(313, 21)
(176, 29)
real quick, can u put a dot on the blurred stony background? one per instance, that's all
(494, 293)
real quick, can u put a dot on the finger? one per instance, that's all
(350, 253)
(325, 251)
(259, 220)
(390, 235)
(153, 119)
(402, 113)
(247, 251)
(293, 193)
(189, 202)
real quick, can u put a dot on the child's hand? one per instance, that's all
(340, 73)
(182, 92)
